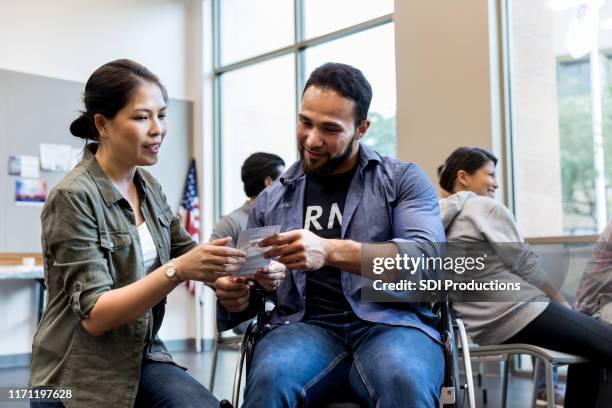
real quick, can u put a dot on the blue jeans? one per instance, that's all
(376, 365)
(162, 385)
(168, 386)
(48, 404)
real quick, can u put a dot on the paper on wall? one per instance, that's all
(30, 192)
(24, 166)
(55, 157)
(30, 166)
(14, 165)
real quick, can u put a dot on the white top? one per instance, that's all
(468, 217)
(150, 257)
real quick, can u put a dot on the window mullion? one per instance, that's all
(218, 176)
(299, 54)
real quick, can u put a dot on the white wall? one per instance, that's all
(69, 39)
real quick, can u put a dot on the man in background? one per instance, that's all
(259, 170)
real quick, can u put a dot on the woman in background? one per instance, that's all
(594, 295)
(112, 252)
(541, 316)
(594, 298)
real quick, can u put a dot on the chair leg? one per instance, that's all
(213, 368)
(238, 375)
(467, 363)
(506, 374)
(198, 316)
(550, 389)
(536, 375)
(482, 367)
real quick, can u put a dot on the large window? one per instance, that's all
(324, 16)
(264, 52)
(252, 27)
(561, 115)
(248, 122)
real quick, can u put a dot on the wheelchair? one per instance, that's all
(453, 393)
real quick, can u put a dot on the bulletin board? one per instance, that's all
(35, 110)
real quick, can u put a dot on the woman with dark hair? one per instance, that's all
(473, 168)
(112, 252)
(540, 316)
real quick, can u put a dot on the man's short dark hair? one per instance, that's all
(256, 168)
(346, 80)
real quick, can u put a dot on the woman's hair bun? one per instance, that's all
(84, 127)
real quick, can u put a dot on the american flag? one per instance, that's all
(189, 211)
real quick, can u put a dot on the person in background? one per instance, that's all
(543, 319)
(594, 298)
(258, 171)
(594, 295)
(482, 156)
(112, 252)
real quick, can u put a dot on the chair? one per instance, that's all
(229, 342)
(503, 353)
(453, 392)
(221, 342)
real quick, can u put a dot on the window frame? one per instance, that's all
(508, 138)
(297, 48)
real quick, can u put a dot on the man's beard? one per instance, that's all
(330, 165)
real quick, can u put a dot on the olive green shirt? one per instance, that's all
(90, 246)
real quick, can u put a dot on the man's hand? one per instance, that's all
(233, 293)
(270, 278)
(299, 249)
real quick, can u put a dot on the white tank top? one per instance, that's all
(149, 251)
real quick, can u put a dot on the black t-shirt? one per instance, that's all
(323, 208)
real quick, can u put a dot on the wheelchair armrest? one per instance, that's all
(260, 296)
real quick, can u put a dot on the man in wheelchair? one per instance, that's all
(322, 338)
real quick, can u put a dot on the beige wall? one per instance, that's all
(443, 88)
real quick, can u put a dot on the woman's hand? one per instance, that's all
(209, 261)
(271, 277)
(233, 293)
